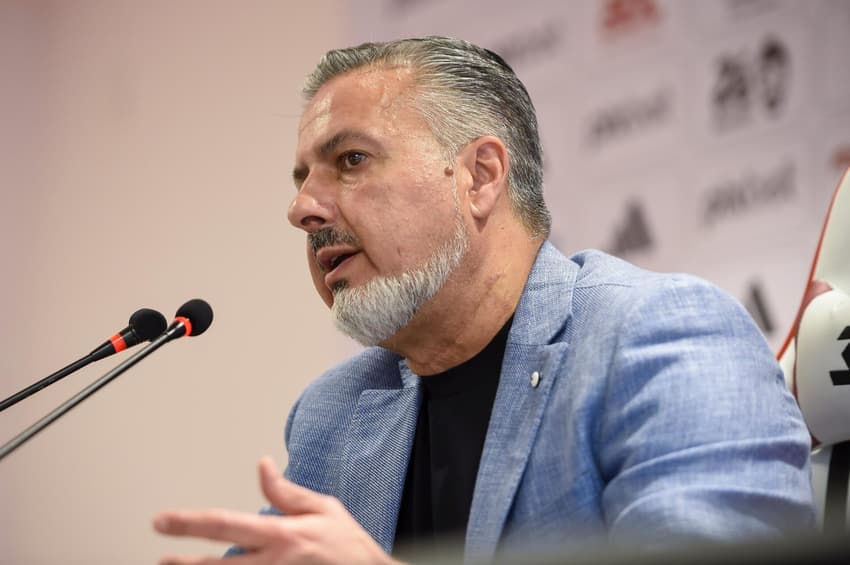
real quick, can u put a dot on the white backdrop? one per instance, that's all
(145, 159)
(698, 136)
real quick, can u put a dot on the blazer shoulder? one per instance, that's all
(598, 269)
(372, 368)
(613, 287)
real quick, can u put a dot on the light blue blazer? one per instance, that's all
(659, 414)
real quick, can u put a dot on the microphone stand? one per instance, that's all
(46, 381)
(59, 411)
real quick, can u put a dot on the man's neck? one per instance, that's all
(468, 311)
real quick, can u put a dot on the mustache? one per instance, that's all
(330, 235)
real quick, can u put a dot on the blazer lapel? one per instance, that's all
(376, 455)
(535, 345)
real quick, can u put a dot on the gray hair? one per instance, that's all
(463, 92)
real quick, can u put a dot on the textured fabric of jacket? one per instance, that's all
(658, 415)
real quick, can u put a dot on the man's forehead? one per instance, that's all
(370, 90)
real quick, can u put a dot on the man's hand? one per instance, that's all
(315, 529)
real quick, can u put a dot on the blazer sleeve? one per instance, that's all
(699, 437)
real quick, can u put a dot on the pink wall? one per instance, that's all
(145, 151)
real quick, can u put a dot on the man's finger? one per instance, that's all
(190, 560)
(285, 495)
(247, 530)
(205, 560)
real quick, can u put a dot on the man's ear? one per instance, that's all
(486, 160)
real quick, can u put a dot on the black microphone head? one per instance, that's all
(147, 323)
(199, 313)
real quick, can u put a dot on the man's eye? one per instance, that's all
(351, 159)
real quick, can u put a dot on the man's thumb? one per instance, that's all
(285, 495)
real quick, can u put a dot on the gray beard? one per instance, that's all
(378, 309)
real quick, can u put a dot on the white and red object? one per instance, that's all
(816, 360)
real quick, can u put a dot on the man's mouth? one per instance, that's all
(331, 248)
(333, 265)
(335, 262)
(329, 258)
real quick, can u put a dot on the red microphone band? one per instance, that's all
(118, 342)
(187, 323)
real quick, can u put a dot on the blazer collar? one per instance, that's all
(546, 301)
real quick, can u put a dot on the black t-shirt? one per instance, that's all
(450, 432)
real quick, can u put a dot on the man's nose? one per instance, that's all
(312, 208)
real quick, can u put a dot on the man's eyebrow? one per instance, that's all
(330, 145)
(299, 173)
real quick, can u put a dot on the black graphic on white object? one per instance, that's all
(842, 376)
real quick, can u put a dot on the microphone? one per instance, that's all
(145, 324)
(193, 318)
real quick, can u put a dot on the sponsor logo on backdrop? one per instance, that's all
(633, 235)
(402, 7)
(629, 118)
(530, 44)
(755, 303)
(751, 82)
(621, 17)
(748, 192)
(741, 8)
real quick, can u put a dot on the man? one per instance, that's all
(513, 396)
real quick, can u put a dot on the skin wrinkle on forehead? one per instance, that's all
(397, 93)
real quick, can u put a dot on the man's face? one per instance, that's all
(373, 188)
